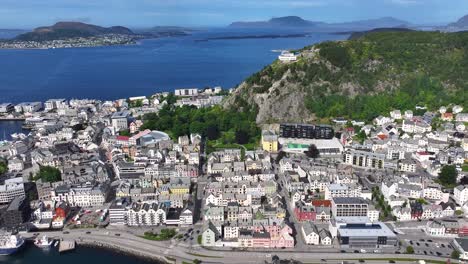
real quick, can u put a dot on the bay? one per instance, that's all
(153, 65)
(33, 255)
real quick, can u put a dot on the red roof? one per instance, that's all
(123, 138)
(382, 136)
(325, 203)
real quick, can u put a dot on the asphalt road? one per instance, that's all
(183, 252)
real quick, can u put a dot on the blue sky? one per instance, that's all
(141, 13)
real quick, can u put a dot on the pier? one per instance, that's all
(66, 245)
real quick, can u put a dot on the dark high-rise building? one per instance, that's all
(306, 131)
(17, 213)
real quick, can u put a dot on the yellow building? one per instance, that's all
(269, 141)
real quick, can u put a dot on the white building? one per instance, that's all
(186, 92)
(119, 120)
(460, 194)
(287, 56)
(11, 189)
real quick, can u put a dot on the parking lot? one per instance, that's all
(429, 247)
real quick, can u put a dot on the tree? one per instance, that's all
(124, 133)
(409, 250)
(242, 137)
(312, 152)
(448, 176)
(3, 167)
(455, 254)
(49, 174)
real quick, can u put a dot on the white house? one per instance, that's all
(310, 233)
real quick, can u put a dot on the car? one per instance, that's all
(411, 242)
(66, 232)
(449, 246)
(88, 232)
(442, 245)
(422, 240)
(191, 238)
(356, 251)
(397, 252)
(117, 234)
(429, 240)
(427, 245)
(190, 230)
(323, 260)
(417, 243)
(361, 261)
(425, 252)
(198, 231)
(439, 254)
(391, 261)
(343, 251)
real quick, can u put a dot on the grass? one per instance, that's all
(166, 234)
(199, 239)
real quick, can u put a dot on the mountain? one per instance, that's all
(384, 22)
(166, 31)
(297, 22)
(359, 78)
(360, 34)
(461, 23)
(63, 30)
(284, 22)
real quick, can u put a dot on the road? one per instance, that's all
(182, 252)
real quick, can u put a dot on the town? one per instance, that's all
(397, 185)
(78, 42)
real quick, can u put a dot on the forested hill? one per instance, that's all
(361, 78)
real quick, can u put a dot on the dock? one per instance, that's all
(66, 245)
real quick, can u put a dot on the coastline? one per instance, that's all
(124, 250)
(82, 47)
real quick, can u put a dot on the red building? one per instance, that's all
(304, 212)
(62, 210)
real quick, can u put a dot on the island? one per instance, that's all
(77, 34)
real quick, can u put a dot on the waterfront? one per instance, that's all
(10, 127)
(32, 254)
(153, 65)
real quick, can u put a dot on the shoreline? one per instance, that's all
(123, 250)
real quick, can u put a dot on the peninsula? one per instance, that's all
(71, 35)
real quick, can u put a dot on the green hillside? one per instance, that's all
(362, 78)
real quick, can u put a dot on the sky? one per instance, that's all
(26, 14)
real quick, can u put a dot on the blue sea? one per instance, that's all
(153, 65)
(33, 255)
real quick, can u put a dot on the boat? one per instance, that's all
(43, 242)
(9, 244)
(56, 244)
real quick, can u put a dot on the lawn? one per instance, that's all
(166, 234)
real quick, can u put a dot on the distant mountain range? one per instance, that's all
(166, 31)
(64, 30)
(298, 22)
(461, 23)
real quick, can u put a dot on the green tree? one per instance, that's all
(3, 167)
(448, 176)
(49, 174)
(409, 250)
(455, 254)
(125, 133)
